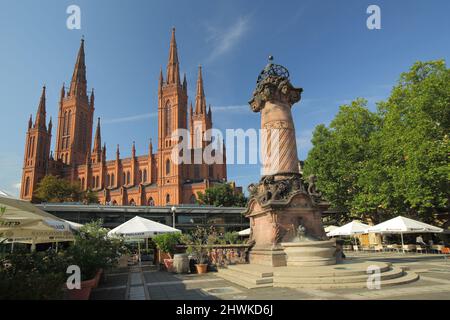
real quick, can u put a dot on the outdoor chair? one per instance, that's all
(421, 249)
(436, 248)
(378, 248)
(355, 248)
(396, 247)
(409, 247)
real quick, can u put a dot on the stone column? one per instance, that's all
(274, 97)
(280, 204)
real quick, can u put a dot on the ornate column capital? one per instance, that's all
(273, 85)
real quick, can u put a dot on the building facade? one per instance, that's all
(152, 179)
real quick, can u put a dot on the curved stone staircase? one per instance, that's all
(351, 274)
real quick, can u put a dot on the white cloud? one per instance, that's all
(232, 108)
(224, 40)
(130, 118)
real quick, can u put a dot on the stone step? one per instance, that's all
(408, 277)
(246, 276)
(395, 272)
(339, 270)
(255, 270)
(243, 283)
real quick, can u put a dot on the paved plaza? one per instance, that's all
(147, 283)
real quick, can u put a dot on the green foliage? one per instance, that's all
(167, 242)
(93, 250)
(36, 276)
(222, 195)
(197, 243)
(54, 189)
(231, 237)
(393, 161)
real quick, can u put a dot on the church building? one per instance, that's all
(152, 179)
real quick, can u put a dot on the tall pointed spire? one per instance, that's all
(117, 153)
(40, 115)
(30, 122)
(200, 101)
(160, 81)
(92, 99)
(133, 150)
(97, 139)
(173, 67)
(50, 126)
(184, 83)
(78, 84)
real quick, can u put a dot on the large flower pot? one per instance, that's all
(168, 263)
(84, 292)
(201, 268)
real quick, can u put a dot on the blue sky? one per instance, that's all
(326, 46)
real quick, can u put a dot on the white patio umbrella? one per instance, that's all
(245, 232)
(401, 225)
(140, 228)
(349, 229)
(21, 221)
(330, 228)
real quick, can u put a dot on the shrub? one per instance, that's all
(167, 242)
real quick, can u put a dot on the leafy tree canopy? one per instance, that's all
(54, 189)
(392, 161)
(222, 195)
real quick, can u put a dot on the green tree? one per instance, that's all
(222, 195)
(341, 152)
(394, 161)
(415, 140)
(54, 189)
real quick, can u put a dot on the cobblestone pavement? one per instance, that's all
(147, 283)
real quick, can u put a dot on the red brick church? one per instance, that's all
(150, 179)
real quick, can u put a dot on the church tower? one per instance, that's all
(37, 149)
(75, 117)
(172, 115)
(200, 121)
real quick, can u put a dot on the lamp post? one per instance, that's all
(174, 210)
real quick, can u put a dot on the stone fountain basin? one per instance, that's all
(310, 253)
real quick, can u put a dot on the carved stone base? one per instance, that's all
(274, 257)
(310, 253)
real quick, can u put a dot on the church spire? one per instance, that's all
(97, 139)
(78, 84)
(40, 115)
(173, 68)
(200, 101)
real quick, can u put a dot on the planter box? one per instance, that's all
(84, 292)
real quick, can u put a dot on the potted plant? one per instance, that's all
(166, 243)
(93, 252)
(197, 244)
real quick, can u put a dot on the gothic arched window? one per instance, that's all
(27, 186)
(167, 198)
(151, 202)
(168, 124)
(167, 166)
(112, 179)
(145, 175)
(128, 177)
(140, 176)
